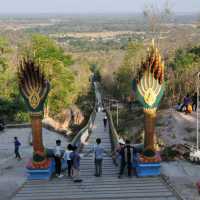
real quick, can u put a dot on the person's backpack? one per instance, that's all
(189, 108)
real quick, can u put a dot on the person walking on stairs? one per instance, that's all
(98, 151)
(67, 158)
(17, 144)
(105, 119)
(116, 154)
(126, 154)
(58, 157)
(75, 158)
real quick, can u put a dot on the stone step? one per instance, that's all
(104, 180)
(90, 159)
(69, 185)
(85, 188)
(94, 195)
(98, 180)
(115, 198)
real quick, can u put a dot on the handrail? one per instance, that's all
(112, 130)
(76, 141)
(172, 187)
(87, 129)
(22, 125)
(113, 133)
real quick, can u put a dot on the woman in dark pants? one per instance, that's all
(126, 159)
(58, 157)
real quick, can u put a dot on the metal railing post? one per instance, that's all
(198, 76)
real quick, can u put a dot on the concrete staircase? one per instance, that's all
(97, 188)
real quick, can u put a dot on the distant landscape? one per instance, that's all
(115, 44)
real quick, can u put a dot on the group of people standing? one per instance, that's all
(71, 156)
(189, 104)
(124, 154)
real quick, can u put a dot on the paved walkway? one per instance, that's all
(95, 188)
(12, 171)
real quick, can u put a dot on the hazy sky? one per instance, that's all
(90, 6)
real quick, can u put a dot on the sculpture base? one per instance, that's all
(147, 166)
(40, 173)
(148, 169)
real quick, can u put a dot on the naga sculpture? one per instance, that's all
(149, 91)
(34, 88)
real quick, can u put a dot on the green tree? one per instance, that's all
(11, 105)
(4, 44)
(183, 60)
(4, 49)
(180, 74)
(127, 71)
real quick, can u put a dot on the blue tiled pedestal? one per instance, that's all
(40, 174)
(44, 174)
(148, 169)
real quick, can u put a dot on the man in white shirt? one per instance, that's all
(58, 157)
(67, 158)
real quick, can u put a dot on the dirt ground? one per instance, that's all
(178, 128)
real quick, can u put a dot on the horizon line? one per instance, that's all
(85, 13)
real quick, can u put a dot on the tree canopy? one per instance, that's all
(129, 67)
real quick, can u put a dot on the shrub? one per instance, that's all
(149, 153)
(169, 154)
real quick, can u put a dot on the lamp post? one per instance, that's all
(117, 115)
(198, 78)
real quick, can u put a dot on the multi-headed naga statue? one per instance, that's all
(149, 91)
(34, 88)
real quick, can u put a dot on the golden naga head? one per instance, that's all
(32, 84)
(150, 79)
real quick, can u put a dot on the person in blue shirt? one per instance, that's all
(17, 144)
(98, 151)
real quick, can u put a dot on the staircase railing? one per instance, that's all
(83, 135)
(113, 133)
(85, 132)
